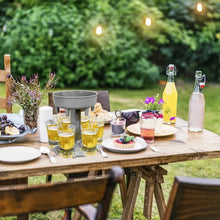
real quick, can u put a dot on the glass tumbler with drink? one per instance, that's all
(66, 136)
(84, 120)
(99, 123)
(52, 128)
(89, 137)
(147, 126)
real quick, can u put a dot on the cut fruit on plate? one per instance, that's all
(11, 130)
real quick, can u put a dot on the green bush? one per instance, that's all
(60, 37)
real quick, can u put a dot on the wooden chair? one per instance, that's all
(80, 194)
(5, 76)
(194, 199)
(103, 98)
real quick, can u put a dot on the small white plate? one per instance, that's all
(18, 154)
(111, 115)
(140, 145)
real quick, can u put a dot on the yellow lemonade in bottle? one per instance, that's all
(170, 97)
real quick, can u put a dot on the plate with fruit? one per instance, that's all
(125, 144)
(11, 128)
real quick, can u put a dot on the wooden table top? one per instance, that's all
(182, 146)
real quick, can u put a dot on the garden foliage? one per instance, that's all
(59, 36)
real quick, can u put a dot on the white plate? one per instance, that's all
(166, 131)
(108, 116)
(111, 116)
(140, 145)
(18, 154)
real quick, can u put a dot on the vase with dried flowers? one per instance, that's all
(27, 93)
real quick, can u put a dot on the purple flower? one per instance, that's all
(152, 100)
(36, 75)
(23, 78)
(172, 118)
(161, 101)
(147, 100)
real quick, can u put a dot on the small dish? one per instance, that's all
(139, 146)
(108, 116)
(18, 120)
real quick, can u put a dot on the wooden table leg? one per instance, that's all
(161, 205)
(123, 191)
(153, 176)
(131, 196)
(148, 199)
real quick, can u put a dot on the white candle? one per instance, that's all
(45, 113)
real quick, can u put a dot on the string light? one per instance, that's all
(199, 7)
(148, 21)
(98, 30)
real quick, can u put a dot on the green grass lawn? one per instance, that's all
(124, 99)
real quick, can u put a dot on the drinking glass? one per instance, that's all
(66, 136)
(147, 126)
(52, 133)
(65, 122)
(89, 137)
(98, 122)
(84, 121)
(118, 126)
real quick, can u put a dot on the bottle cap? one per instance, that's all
(171, 70)
(200, 78)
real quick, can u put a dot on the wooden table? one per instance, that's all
(182, 146)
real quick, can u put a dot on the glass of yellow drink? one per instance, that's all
(52, 133)
(98, 122)
(65, 122)
(66, 140)
(89, 137)
(84, 121)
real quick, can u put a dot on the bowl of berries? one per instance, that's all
(11, 128)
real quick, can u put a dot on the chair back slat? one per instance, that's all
(5, 76)
(27, 199)
(194, 199)
(103, 98)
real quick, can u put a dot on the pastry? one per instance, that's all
(125, 142)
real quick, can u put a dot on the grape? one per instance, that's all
(22, 128)
(4, 117)
(11, 124)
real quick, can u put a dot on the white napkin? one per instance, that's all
(45, 113)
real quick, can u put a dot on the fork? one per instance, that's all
(154, 148)
(99, 148)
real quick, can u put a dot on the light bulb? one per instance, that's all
(99, 30)
(199, 7)
(148, 21)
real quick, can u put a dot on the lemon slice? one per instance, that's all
(11, 130)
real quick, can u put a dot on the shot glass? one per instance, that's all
(65, 122)
(147, 127)
(66, 140)
(118, 126)
(89, 137)
(84, 121)
(99, 123)
(52, 132)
